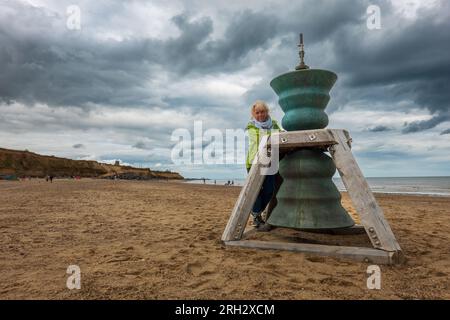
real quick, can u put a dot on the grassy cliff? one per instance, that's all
(25, 163)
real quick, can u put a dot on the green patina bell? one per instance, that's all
(307, 198)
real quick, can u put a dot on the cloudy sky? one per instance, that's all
(135, 71)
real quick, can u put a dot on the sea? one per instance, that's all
(433, 186)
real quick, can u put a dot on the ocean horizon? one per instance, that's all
(435, 185)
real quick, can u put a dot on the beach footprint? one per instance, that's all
(197, 267)
(201, 273)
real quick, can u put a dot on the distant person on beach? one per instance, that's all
(260, 124)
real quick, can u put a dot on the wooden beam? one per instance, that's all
(249, 192)
(370, 213)
(304, 138)
(356, 229)
(372, 218)
(362, 254)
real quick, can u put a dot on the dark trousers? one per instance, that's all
(265, 194)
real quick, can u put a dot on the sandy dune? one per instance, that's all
(155, 240)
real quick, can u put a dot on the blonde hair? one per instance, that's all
(259, 103)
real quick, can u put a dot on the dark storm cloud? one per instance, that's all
(69, 68)
(192, 52)
(60, 67)
(140, 145)
(68, 71)
(416, 126)
(446, 131)
(380, 128)
(384, 154)
(155, 144)
(409, 61)
(136, 159)
(43, 62)
(320, 21)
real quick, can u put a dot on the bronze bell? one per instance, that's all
(307, 198)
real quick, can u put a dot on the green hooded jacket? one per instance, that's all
(255, 134)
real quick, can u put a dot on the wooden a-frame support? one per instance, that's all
(386, 249)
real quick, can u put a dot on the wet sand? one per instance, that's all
(161, 240)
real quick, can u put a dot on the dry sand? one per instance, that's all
(160, 240)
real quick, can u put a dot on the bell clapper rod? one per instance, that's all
(302, 65)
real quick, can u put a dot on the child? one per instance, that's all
(260, 122)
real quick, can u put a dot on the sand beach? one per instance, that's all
(161, 240)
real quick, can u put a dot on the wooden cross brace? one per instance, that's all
(386, 248)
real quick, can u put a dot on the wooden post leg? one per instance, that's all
(371, 215)
(249, 192)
